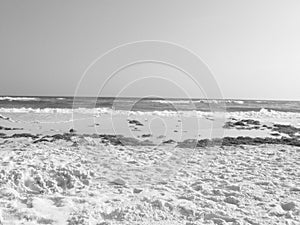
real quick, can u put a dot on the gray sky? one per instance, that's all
(252, 47)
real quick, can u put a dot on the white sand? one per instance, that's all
(57, 183)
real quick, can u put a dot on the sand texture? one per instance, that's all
(86, 181)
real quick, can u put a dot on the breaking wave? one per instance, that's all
(262, 113)
(6, 98)
(265, 113)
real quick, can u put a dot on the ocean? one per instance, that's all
(87, 104)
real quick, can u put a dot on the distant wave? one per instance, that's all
(172, 101)
(238, 102)
(18, 99)
(208, 101)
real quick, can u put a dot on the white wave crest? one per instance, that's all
(99, 111)
(263, 113)
(239, 102)
(6, 98)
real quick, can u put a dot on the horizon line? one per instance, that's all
(192, 98)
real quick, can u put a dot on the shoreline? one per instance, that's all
(121, 140)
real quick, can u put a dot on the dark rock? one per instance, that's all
(72, 130)
(239, 123)
(232, 141)
(137, 191)
(135, 122)
(170, 141)
(203, 143)
(146, 135)
(247, 124)
(286, 129)
(23, 135)
(251, 122)
(117, 140)
(112, 139)
(10, 128)
(55, 137)
(121, 140)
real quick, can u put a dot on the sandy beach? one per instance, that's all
(77, 177)
(149, 112)
(96, 183)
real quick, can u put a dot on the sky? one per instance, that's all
(249, 49)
